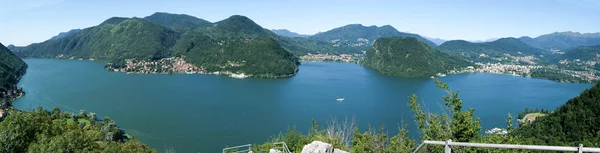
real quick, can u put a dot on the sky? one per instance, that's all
(23, 22)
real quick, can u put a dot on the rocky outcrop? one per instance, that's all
(274, 151)
(320, 147)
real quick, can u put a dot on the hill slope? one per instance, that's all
(11, 69)
(237, 45)
(577, 121)
(178, 22)
(113, 40)
(563, 40)
(355, 38)
(486, 52)
(64, 34)
(408, 57)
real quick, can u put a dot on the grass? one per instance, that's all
(532, 116)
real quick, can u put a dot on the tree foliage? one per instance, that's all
(408, 57)
(55, 131)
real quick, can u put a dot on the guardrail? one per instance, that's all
(281, 146)
(449, 143)
(245, 149)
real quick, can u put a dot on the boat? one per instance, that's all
(340, 99)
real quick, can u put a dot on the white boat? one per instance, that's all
(340, 99)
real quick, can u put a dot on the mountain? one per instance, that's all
(409, 57)
(485, 52)
(178, 22)
(237, 45)
(563, 40)
(437, 41)
(11, 69)
(482, 41)
(64, 34)
(575, 122)
(115, 39)
(11, 47)
(356, 38)
(287, 33)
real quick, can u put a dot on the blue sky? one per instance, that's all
(30, 21)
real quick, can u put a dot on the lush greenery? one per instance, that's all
(355, 38)
(237, 45)
(492, 50)
(563, 40)
(178, 22)
(57, 131)
(576, 122)
(408, 57)
(11, 69)
(113, 40)
(583, 53)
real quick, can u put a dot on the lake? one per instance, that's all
(205, 113)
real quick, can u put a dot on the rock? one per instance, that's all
(317, 147)
(274, 151)
(320, 147)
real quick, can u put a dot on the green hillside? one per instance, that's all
(355, 38)
(485, 52)
(11, 69)
(583, 53)
(113, 40)
(178, 22)
(576, 122)
(408, 57)
(237, 45)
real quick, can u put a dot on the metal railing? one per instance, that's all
(449, 143)
(281, 146)
(244, 149)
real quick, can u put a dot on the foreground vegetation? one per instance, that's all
(571, 124)
(58, 131)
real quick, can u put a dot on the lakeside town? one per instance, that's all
(330, 57)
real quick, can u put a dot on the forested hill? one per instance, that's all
(408, 57)
(237, 45)
(11, 69)
(115, 39)
(483, 52)
(178, 22)
(563, 40)
(356, 37)
(583, 53)
(576, 122)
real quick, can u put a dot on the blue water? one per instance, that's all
(205, 113)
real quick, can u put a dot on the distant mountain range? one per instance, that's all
(287, 33)
(485, 52)
(437, 41)
(409, 57)
(563, 40)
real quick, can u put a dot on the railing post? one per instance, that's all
(447, 146)
(580, 149)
